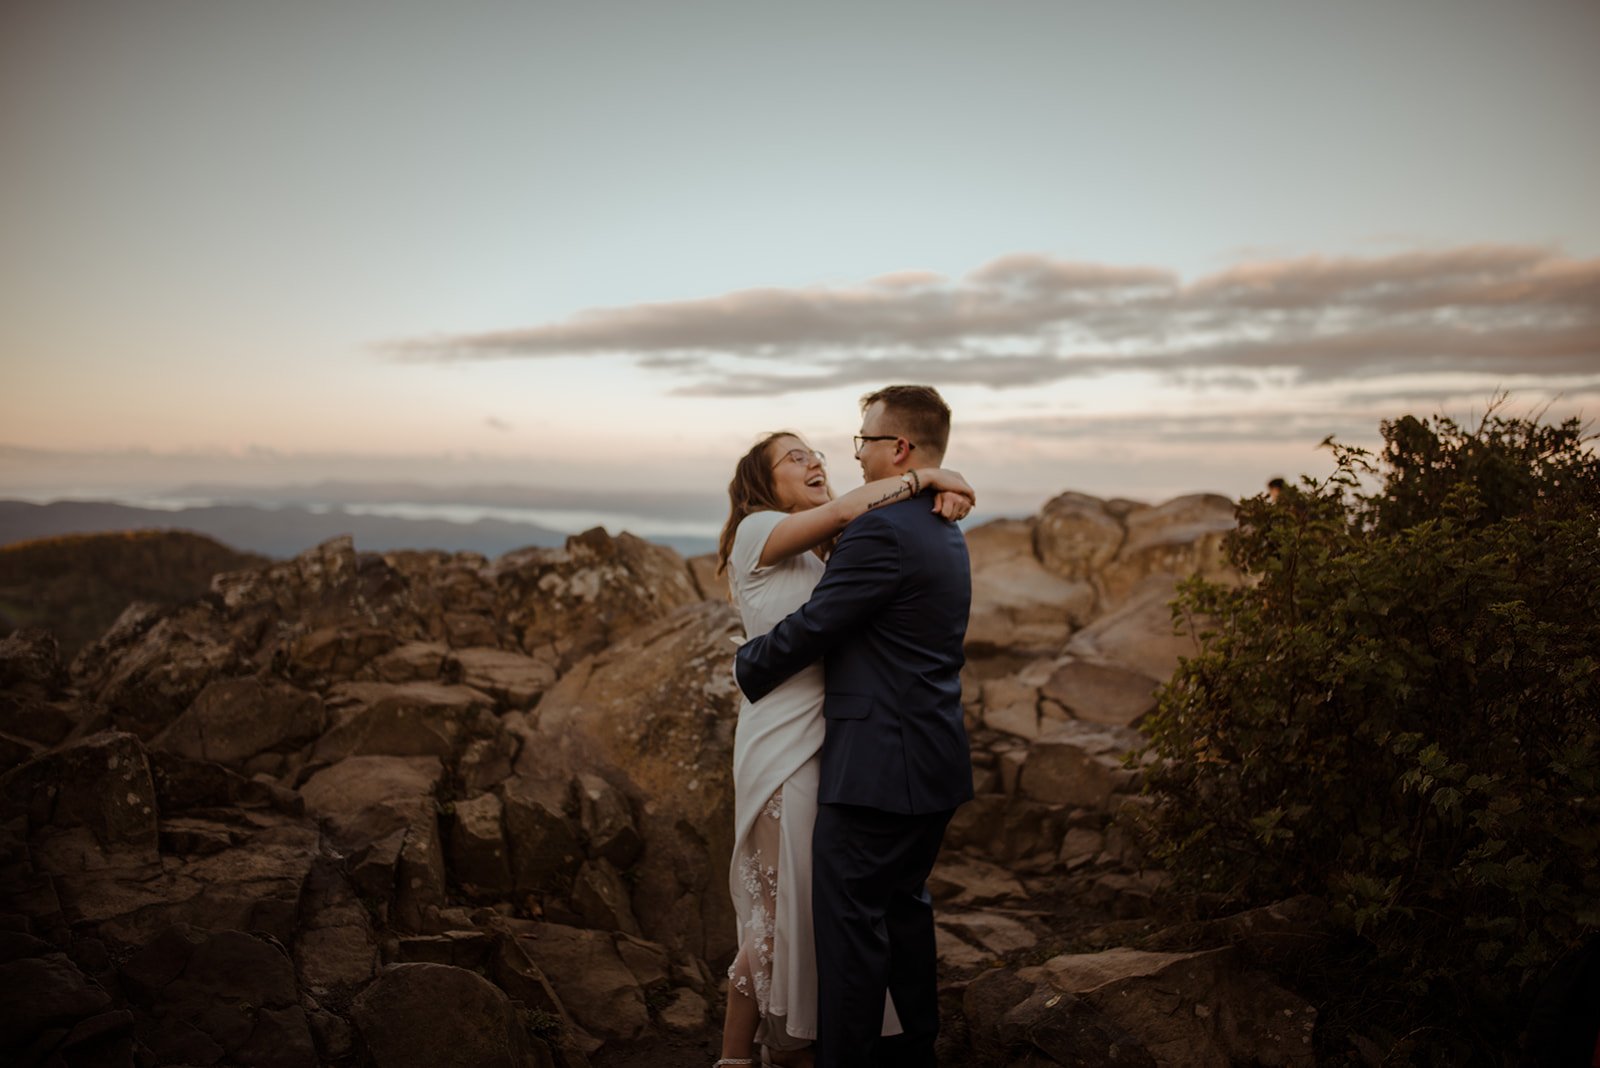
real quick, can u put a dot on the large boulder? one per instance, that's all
(380, 812)
(1076, 536)
(546, 850)
(564, 604)
(659, 707)
(335, 949)
(404, 719)
(153, 662)
(1182, 537)
(1018, 605)
(588, 972)
(1139, 635)
(206, 997)
(478, 856)
(235, 720)
(1100, 693)
(53, 1010)
(35, 705)
(1079, 765)
(437, 1016)
(1189, 1010)
(512, 679)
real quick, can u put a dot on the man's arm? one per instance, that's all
(862, 572)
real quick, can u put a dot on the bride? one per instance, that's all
(782, 522)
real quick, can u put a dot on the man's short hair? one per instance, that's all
(918, 412)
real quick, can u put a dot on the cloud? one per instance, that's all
(494, 423)
(1026, 319)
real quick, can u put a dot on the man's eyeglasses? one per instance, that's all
(862, 439)
(803, 457)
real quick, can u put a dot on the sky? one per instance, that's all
(1143, 248)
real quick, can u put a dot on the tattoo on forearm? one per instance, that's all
(887, 497)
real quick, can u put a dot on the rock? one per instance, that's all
(987, 999)
(607, 821)
(335, 652)
(1018, 605)
(380, 811)
(515, 680)
(486, 762)
(685, 1012)
(960, 881)
(93, 828)
(1277, 936)
(1069, 1030)
(1012, 706)
(594, 984)
(1182, 537)
(233, 720)
(478, 856)
(35, 704)
(218, 996)
(417, 662)
(1200, 1009)
(457, 948)
(564, 604)
(712, 586)
(1079, 764)
(956, 954)
(649, 962)
(659, 707)
(151, 665)
(1097, 693)
(995, 933)
(545, 850)
(1080, 847)
(404, 719)
(1005, 829)
(601, 898)
(336, 949)
(94, 797)
(401, 1024)
(1076, 536)
(1138, 636)
(44, 990)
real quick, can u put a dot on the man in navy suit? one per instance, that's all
(888, 619)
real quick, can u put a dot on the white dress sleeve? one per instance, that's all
(744, 559)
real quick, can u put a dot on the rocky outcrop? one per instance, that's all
(340, 791)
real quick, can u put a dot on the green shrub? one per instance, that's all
(1400, 712)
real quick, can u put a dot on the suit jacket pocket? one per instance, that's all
(846, 706)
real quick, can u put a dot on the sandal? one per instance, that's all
(734, 1060)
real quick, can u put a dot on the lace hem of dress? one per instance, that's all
(751, 970)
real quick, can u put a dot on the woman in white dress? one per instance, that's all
(782, 522)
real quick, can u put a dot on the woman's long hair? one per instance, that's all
(750, 491)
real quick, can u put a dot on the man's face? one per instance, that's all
(878, 458)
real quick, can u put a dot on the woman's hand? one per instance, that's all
(955, 498)
(952, 505)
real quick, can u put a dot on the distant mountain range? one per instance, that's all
(290, 529)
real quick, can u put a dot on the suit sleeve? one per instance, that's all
(863, 572)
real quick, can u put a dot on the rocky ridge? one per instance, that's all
(429, 808)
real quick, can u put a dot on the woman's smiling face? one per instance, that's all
(799, 480)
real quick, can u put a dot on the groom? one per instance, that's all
(888, 619)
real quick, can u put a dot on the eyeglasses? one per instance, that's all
(803, 457)
(862, 439)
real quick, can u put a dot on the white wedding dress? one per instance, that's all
(776, 756)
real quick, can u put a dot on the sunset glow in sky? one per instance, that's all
(1143, 249)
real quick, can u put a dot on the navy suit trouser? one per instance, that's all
(874, 932)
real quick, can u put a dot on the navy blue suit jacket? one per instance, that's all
(888, 619)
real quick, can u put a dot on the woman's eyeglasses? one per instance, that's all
(803, 457)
